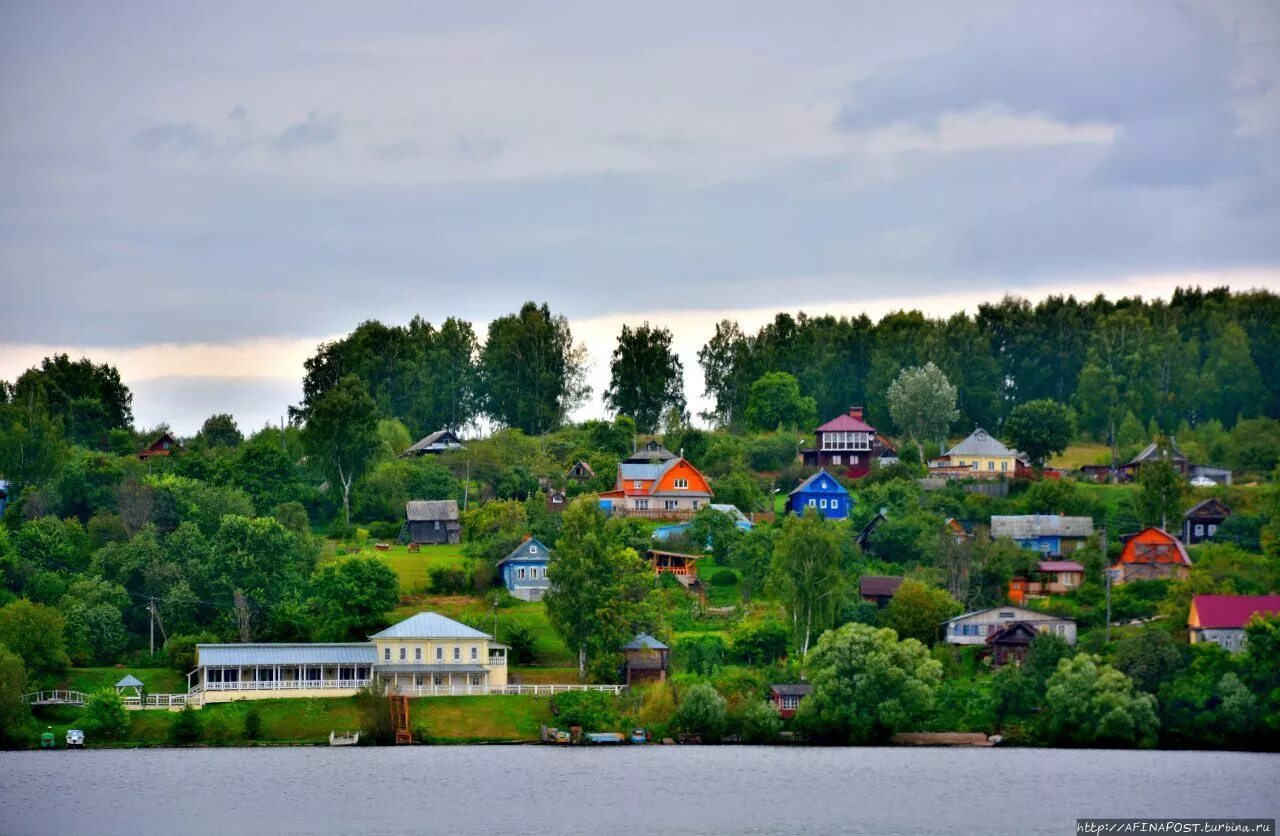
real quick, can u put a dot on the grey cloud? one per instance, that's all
(318, 129)
(478, 148)
(178, 137)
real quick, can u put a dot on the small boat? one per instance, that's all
(47, 740)
(639, 736)
(75, 739)
(605, 737)
(345, 739)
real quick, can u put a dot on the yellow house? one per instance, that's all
(980, 453)
(424, 655)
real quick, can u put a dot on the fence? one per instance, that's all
(499, 690)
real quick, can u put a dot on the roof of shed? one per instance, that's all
(1153, 452)
(347, 653)
(429, 625)
(1026, 526)
(435, 437)
(878, 585)
(802, 689)
(426, 510)
(1059, 566)
(644, 641)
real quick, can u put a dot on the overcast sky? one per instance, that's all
(200, 194)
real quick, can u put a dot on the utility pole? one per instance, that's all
(466, 487)
(1106, 568)
(151, 611)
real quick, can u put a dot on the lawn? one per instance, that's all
(411, 569)
(154, 680)
(1079, 454)
(474, 719)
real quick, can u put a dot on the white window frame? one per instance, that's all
(457, 653)
(404, 653)
(417, 654)
(671, 504)
(439, 653)
(682, 484)
(835, 459)
(475, 653)
(822, 503)
(642, 505)
(637, 484)
(813, 503)
(386, 654)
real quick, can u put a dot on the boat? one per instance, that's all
(605, 737)
(344, 739)
(639, 736)
(47, 740)
(75, 739)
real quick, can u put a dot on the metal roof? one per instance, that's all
(213, 655)
(801, 689)
(647, 472)
(437, 668)
(644, 641)
(836, 487)
(1026, 526)
(426, 510)
(130, 681)
(1023, 614)
(980, 443)
(430, 625)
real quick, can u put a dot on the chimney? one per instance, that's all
(855, 412)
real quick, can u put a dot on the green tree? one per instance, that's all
(350, 598)
(34, 632)
(917, 611)
(1087, 702)
(219, 430)
(532, 375)
(186, 726)
(1150, 658)
(15, 714)
(702, 711)
(597, 586)
(775, 402)
(723, 360)
(922, 403)
(253, 722)
(646, 377)
(867, 685)
(1230, 378)
(1160, 494)
(756, 721)
(761, 643)
(1255, 445)
(87, 399)
(1040, 429)
(105, 715)
(806, 576)
(341, 434)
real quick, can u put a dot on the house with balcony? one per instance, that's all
(670, 490)
(424, 655)
(979, 456)
(848, 444)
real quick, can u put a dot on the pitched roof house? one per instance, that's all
(1010, 643)
(524, 570)
(848, 443)
(670, 490)
(438, 442)
(1221, 619)
(976, 627)
(1201, 521)
(864, 536)
(651, 453)
(1151, 554)
(165, 445)
(1044, 533)
(432, 521)
(786, 697)
(980, 456)
(878, 589)
(824, 494)
(580, 472)
(646, 659)
(1052, 577)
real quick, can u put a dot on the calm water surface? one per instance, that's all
(532, 789)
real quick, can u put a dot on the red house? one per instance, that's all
(848, 444)
(1151, 554)
(786, 698)
(165, 445)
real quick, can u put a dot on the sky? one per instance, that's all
(201, 193)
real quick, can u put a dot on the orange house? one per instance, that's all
(670, 490)
(1151, 554)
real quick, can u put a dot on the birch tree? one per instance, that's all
(341, 434)
(922, 402)
(806, 575)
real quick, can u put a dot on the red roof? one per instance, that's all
(1227, 611)
(1155, 545)
(1060, 566)
(846, 423)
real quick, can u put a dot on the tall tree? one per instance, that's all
(922, 403)
(1230, 379)
(806, 574)
(646, 377)
(351, 598)
(1040, 429)
(1160, 493)
(341, 433)
(532, 374)
(1118, 376)
(724, 360)
(776, 402)
(89, 399)
(220, 431)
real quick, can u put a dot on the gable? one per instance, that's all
(1210, 509)
(680, 469)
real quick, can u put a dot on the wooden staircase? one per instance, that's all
(400, 719)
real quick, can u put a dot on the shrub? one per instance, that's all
(449, 580)
(702, 711)
(186, 726)
(105, 715)
(519, 638)
(180, 651)
(385, 531)
(217, 729)
(724, 577)
(700, 654)
(592, 710)
(252, 723)
(755, 721)
(760, 644)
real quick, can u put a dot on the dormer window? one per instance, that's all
(533, 549)
(637, 484)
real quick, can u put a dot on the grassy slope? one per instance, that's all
(411, 569)
(1080, 454)
(154, 680)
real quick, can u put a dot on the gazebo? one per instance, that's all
(130, 681)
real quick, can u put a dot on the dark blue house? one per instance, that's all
(822, 492)
(524, 571)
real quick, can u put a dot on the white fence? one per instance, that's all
(159, 701)
(57, 698)
(498, 690)
(287, 685)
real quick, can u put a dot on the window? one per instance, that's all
(1199, 530)
(418, 679)
(533, 549)
(520, 573)
(642, 505)
(1007, 614)
(437, 680)
(696, 504)
(813, 503)
(991, 465)
(439, 654)
(822, 503)
(835, 460)
(1004, 465)
(386, 654)
(477, 679)
(1212, 529)
(844, 440)
(670, 504)
(457, 653)
(404, 651)
(790, 703)
(475, 653)
(417, 654)
(637, 484)
(682, 484)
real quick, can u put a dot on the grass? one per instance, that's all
(412, 569)
(1079, 454)
(478, 719)
(544, 676)
(154, 680)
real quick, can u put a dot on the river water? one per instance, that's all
(654, 789)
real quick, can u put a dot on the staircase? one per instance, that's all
(400, 718)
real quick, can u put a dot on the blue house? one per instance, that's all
(823, 492)
(1049, 534)
(524, 571)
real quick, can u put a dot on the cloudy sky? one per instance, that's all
(201, 194)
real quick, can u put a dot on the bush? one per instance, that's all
(180, 651)
(186, 726)
(700, 654)
(592, 710)
(217, 729)
(755, 721)
(385, 531)
(252, 723)
(761, 644)
(105, 715)
(449, 580)
(519, 638)
(702, 711)
(724, 577)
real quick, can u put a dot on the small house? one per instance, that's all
(864, 536)
(1052, 577)
(647, 659)
(1049, 534)
(581, 472)
(1155, 452)
(524, 570)
(979, 456)
(824, 494)
(1221, 619)
(433, 521)
(1151, 554)
(1010, 643)
(786, 698)
(557, 500)
(165, 445)
(974, 628)
(674, 563)
(848, 443)
(1201, 522)
(440, 441)
(878, 589)
(651, 453)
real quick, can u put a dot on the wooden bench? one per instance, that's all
(415, 547)
(382, 547)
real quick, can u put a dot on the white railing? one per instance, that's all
(497, 661)
(498, 690)
(57, 697)
(157, 701)
(287, 685)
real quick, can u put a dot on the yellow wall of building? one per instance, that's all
(986, 464)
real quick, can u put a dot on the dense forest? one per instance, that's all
(268, 536)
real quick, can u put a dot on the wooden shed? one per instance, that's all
(432, 521)
(646, 659)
